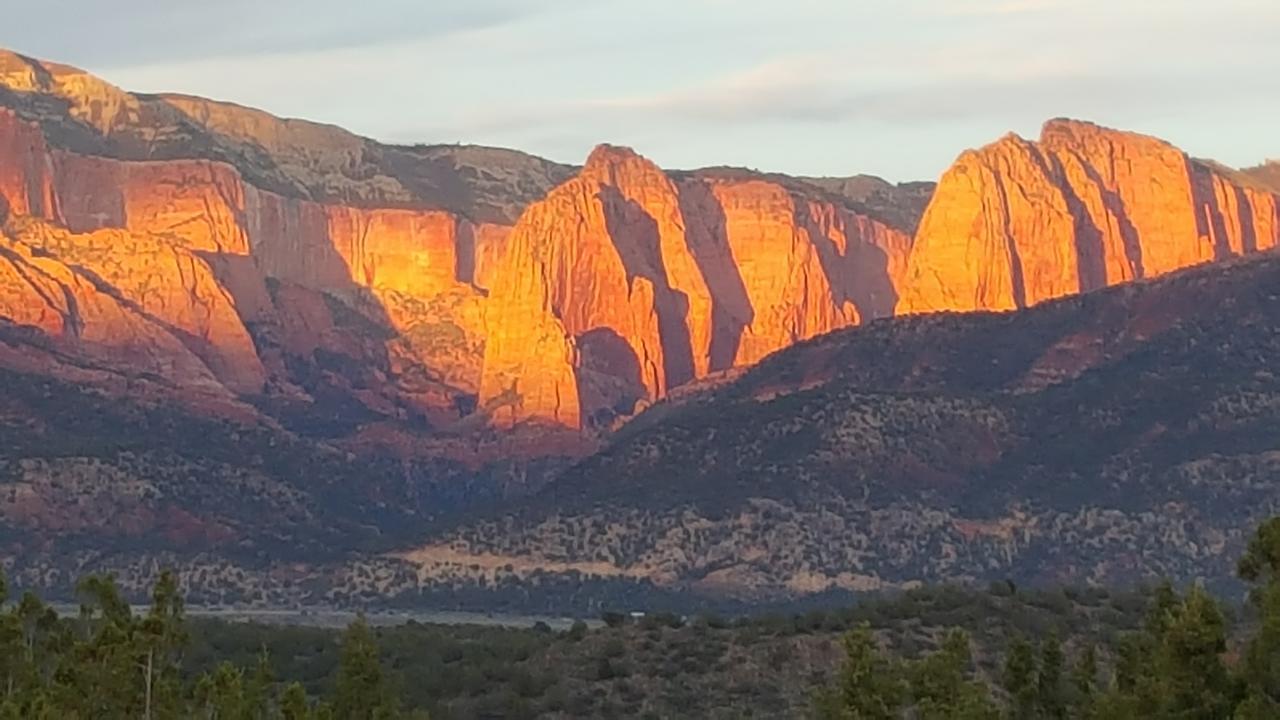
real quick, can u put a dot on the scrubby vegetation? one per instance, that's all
(945, 652)
(1108, 438)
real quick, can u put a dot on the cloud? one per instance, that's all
(766, 83)
(108, 35)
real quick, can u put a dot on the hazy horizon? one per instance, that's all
(812, 87)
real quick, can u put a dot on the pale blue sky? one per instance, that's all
(891, 87)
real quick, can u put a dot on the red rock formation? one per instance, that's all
(1017, 223)
(578, 287)
(168, 285)
(618, 287)
(26, 177)
(400, 267)
(635, 285)
(85, 320)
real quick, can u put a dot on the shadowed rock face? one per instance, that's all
(1017, 223)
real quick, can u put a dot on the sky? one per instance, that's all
(895, 88)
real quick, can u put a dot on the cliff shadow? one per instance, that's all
(858, 273)
(1248, 231)
(1128, 233)
(1016, 271)
(1208, 211)
(634, 234)
(464, 253)
(1091, 264)
(708, 238)
(347, 364)
(608, 377)
(1210, 218)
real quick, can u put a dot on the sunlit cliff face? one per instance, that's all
(635, 284)
(1017, 223)
(249, 262)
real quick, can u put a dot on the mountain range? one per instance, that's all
(302, 364)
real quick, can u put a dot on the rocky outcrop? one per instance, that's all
(192, 242)
(632, 284)
(26, 175)
(170, 286)
(83, 318)
(292, 158)
(1017, 222)
(618, 286)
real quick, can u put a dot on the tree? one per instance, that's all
(1260, 566)
(1084, 678)
(1261, 560)
(219, 695)
(160, 637)
(869, 685)
(293, 703)
(361, 691)
(1050, 698)
(942, 687)
(1019, 678)
(101, 677)
(258, 687)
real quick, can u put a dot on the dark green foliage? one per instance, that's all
(931, 654)
(107, 662)
(1020, 678)
(1261, 567)
(1050, 689)
(361, 692)
(1175, 667)
(869, 686)
(938, 686)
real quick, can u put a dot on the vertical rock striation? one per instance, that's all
(1017, 223)
(633, 283)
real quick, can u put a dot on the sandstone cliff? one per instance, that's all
(632, 283)
(1020, 222)
(304, 260)
(417, 285)
(81, 318)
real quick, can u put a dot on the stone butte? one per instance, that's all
(1017, 222)
(625, 283)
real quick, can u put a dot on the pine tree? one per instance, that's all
(941, 684)
(869, 686)
(361, 691)
(160, 638)
(293, 703)
(219, 694)
(1191, 680)
(1260, 566)
(1019, 679)
(1050, 698)
(258, 687)
(1084, 679)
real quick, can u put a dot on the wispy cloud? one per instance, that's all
(897, 85)
(106, 35)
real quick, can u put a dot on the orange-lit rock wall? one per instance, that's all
(634, 284)
(1017, 223)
